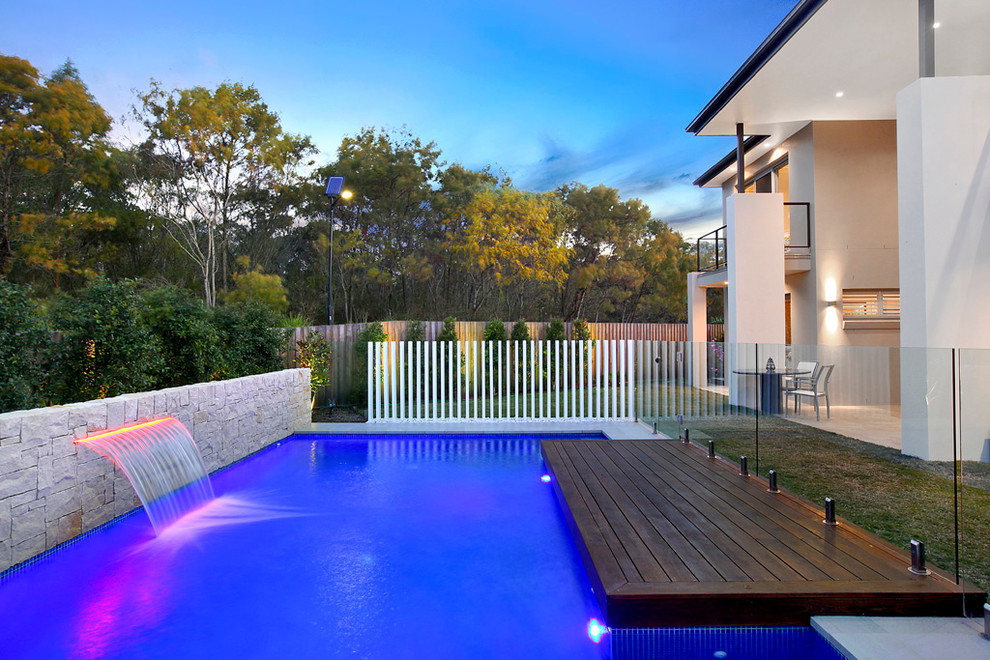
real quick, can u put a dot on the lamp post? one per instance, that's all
(335, 191)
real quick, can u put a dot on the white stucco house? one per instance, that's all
(857, 202)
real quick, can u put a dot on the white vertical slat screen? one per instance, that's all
(512, 380)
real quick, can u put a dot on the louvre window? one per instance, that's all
(871, 304)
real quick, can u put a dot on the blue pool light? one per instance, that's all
(545, 478)
(596, 630)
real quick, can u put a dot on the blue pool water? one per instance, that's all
(381, 548)
(320, 547)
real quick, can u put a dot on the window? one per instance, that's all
(871, 307)
(775, 178)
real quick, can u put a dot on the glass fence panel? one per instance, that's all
(971, 468)
(869, 427)
(689, 389)
(878, 443)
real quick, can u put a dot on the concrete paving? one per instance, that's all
(905, 638)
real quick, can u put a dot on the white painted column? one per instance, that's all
(755, 248)
(943, 195)
(755, 296)
(698, 330)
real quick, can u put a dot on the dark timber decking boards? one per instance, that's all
(670, 537)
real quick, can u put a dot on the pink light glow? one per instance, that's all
(124, 429)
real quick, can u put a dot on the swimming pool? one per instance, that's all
(366, 547)
(326, 547)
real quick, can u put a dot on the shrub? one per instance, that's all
(22, 336)
(251, 285)
(251, 341)
(556, 331)
(359, 378)
(295, 320)
(449, 332)
(495, 331)
(105, 349)
(520, 332)
(314, 353)
(190, 345)
(581, 331)
(415, 331)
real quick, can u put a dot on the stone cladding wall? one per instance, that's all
(52, 489)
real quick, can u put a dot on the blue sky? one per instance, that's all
(549, 91)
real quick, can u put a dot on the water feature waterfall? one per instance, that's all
(163, 464)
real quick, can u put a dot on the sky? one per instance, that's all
(549, 91)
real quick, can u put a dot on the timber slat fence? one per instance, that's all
(343, 337)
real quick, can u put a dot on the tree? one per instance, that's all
(520, 331)
(53, 153)
(415, 331)
(602, 230)
(510, 237)
(388, 230)
(449, 331)
(556, 331)
(581, 331)
(250, 284)
(207, 155)
(495, 331)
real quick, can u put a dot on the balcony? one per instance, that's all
(712, 252)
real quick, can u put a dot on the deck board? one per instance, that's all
(670, 537)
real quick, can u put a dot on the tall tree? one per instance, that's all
(208, 153)
(602, 231)
(390, 227)
(53, 153)
(509, 238)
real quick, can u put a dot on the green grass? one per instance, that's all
(897, 498)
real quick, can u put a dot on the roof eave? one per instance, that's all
(730, 158)
(793, 22)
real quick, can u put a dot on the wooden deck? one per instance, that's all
(670, 537)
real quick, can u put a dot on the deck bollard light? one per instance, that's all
(743, 467)
(829, 511)
(687, 436)
(773, 482)
(711, 449)
(918, 558)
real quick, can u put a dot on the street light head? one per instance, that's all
(346, 194)
(334, 186)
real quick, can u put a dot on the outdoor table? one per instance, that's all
(770, 386)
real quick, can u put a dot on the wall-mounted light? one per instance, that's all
(831, 290)
(831, 318)
(831, 301)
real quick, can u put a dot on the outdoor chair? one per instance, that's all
(802, 381)
(816, 389)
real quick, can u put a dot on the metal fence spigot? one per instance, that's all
(918, 558)
(829, 512)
